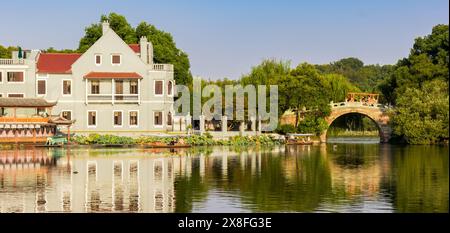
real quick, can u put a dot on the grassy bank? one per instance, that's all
(193, 140)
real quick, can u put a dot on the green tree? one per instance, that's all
(314, 97)
(338, 86)
(5, 52)
(165, 51)
(53, 50)
(164, 47)
(365, 77)
(117, 22)
(312, 124)
(428, 60)
(422, 115)
(272, 72)
(267, 73)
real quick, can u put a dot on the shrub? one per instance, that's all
(285, 129)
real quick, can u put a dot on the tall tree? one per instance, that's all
(365, 77)
(422, 115)
(166, 51)
(117, 22)
(428, 60)
(5, 52)
(419, 88)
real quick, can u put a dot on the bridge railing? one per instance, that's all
(357, 104)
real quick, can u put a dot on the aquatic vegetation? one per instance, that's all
(106, 139)
(193, 140)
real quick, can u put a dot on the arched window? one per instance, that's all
(169, 88)
(169, 118)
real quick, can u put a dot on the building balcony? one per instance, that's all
(4, 61)
(113, 98)
(163, 67)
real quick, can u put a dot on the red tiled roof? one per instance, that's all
(109, 75)
(60, 63)
(135, 47)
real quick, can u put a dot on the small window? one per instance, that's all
(16, 95)
(158, 87)
(1, 78)
(67, 115)
(15, 77)
(134, 87)
(98, 59)
(117, 118)
(41, 87)
(169, 88)
(158, 119)
(67, 87)
(169, 118)
(92, 118)
(95, 87)
(1, 95)
(115, 59)
(133, 118)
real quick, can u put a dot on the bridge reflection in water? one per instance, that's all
(346, 178)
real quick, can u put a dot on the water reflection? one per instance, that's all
(326, 178)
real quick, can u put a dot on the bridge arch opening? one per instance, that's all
(365, 104)
(353, 127)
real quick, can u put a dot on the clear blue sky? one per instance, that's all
(227, 38)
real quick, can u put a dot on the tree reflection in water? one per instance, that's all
(346, 178)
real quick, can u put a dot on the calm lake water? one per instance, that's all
(365, 177)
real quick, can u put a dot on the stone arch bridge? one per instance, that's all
(376, 112)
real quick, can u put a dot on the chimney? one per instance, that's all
(105, 26)
(150, 52)
(143, 49)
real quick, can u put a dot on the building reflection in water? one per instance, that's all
(38, 180)
(292, 178)
(105, 180)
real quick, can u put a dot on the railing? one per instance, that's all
(357, 104)
(4, 61)
(110, 98)
(24, 119)
(163, 67)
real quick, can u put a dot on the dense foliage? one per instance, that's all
(418, 87)
(106, 139)
(5, 52)
(428, 60)
(422, 114)
(303, 90)
(194, 140)
(365, 77)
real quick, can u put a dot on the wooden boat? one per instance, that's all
(299, 139)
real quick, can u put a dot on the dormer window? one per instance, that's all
(116, 59)
(98, 59)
